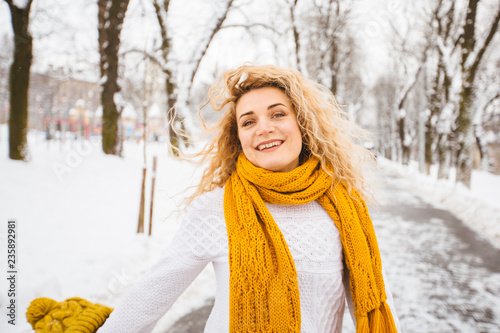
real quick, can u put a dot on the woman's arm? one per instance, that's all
(389, 301)
(153, 295)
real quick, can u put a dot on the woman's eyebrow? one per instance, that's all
(246, 114)
(269, 108)
(275, 105)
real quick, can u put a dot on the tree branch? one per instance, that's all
(482, 50)
(12, 5)
(146, 55)
(214, 32)
(248, 26)
(165, 42)
(491, 100)
(408, 88)
(296, 35)
(28, 5)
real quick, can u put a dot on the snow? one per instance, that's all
(70, 198)
(155, 111)
(20, 3)
(98, 111)
(478, 207)
(80, 103)
(77, 210)
(129, 112)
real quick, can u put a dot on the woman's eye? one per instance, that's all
(279, 115)
(246, 123)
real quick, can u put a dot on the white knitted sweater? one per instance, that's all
(313, 240)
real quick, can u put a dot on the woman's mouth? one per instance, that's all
(269, 145)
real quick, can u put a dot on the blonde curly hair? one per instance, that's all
(327, 132)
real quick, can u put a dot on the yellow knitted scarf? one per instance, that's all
(264, 292)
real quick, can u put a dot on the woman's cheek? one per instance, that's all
(245, 140)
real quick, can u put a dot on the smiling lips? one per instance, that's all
(269, 145)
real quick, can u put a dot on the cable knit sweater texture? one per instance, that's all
(313, 240)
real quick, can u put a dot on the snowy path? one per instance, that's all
(443, 276)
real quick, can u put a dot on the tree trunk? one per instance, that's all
(463, 123)
(111, 16)
(170, 85)
(465, 137)
(483, 164)
(430, 125)
(296, 35)
(443, 156)
(19, 81)
(172, 117)
(334, 66)
(405, 151)
(464, 133)
(176, 127)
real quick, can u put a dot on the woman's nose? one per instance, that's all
(265, 127)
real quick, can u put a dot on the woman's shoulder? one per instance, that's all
(210, 202)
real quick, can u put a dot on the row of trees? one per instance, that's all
(447, 79)
(111, 16)
(441, 73)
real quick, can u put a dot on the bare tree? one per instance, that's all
(455, 56)
(384, 92)
(440, 95)
(331, 56)
(487, 106)
(206, 43)
(472, 55)
(19, 80)
(111, 16)
(330, 39)
(292, 6)
(409, 56)
(171, 84)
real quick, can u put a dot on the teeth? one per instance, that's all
(269, 145)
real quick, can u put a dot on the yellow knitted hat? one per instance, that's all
(73, 315)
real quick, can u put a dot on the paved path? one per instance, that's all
(443, 276)
(193, 322)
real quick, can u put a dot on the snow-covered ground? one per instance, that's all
(478, 207)
(77, 211)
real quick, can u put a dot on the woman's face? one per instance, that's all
(268, 130)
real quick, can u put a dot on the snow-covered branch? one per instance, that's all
(206, 45)
(251, 25)
(162, 22)
(482, 49)
(146, 55)
(26, 5)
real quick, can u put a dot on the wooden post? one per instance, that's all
(152, 196)
(140, 224)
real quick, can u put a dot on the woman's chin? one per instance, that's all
(278, 166)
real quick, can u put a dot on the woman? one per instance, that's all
(278, 212)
